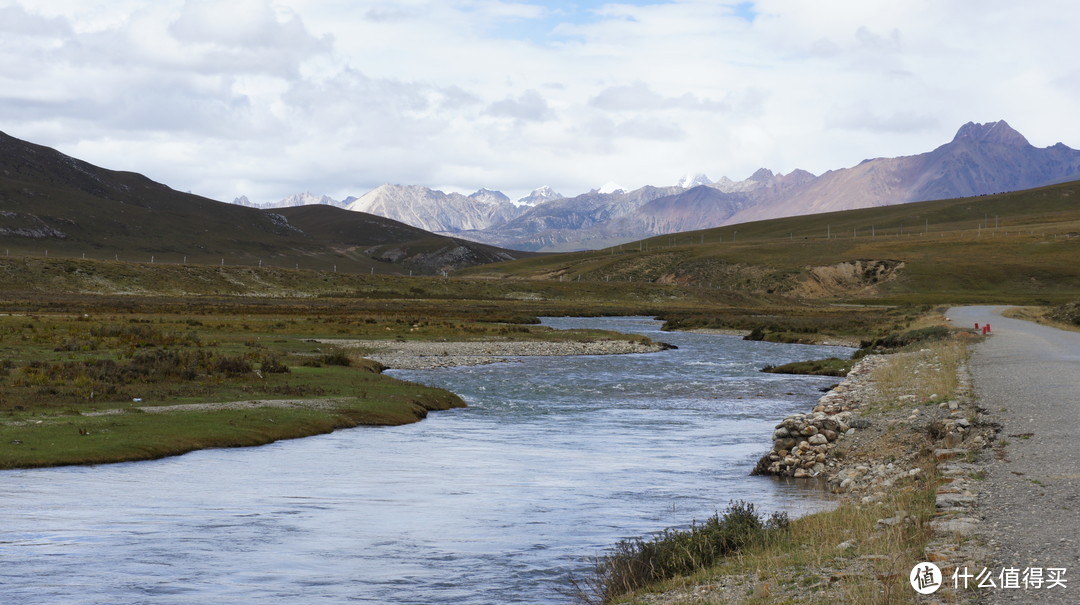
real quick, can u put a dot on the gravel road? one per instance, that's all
(1028, 377)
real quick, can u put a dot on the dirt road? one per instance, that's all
(1028, 377)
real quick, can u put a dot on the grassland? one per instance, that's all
(1015, 248)
(87, 379)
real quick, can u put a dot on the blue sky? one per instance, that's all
(550, 27)
(267, 98)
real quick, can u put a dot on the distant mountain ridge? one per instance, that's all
(54, 205)
(981, 159)
(293, 201)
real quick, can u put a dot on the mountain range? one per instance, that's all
(54, 205)
(981, 159)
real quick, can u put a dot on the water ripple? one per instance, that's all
(554, 461)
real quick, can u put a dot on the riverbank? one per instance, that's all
(150, 432)
(904, 456)
(424, 355)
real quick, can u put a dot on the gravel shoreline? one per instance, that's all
(423, 355)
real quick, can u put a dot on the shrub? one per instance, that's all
(636, 563)
(272, 365)
(904, 339)
(232, 366)
(336, 358)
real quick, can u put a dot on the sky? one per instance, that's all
(267, 98)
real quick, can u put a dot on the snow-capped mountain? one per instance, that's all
(297, 199)
(539, 196)
(689, 181)
(610, 187)
(434, 210)
(982, 158)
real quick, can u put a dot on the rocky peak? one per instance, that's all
(999, 133)
(542, 194)
(488, 195)
(762, 175)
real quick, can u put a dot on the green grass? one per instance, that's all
(818, 367)
(88, 354)
(72, 438)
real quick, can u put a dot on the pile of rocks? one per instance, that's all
(802, 442)
(871, 479)
(853, 391)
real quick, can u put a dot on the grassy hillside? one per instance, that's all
(54, 205)
(1021, 247)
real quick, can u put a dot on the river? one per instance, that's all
(554, 460)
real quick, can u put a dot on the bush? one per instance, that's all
(272, 365)
(906, 339)
(637, 563)
(232, 366)
(336, 359)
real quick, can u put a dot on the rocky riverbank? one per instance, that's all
(422, 355)
(866, 447)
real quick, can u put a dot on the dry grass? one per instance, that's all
(843, 555)
(921, 377)
(1040, 315)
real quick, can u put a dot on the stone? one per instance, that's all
(955, 526)
(800, 473)
(809, 430)
(781, 433)
(891, 521)
(954, 500)
(953, 439)
(818, 439)
(830, 434)
(785, 443)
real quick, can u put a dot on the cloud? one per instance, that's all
(865, 118)
(335, 96)
(638, 96)
(528, 106)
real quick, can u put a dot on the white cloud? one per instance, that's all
(270, 97)
(528, 106)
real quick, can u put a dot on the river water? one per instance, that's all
(554, 460)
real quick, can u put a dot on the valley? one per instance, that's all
(138, 323)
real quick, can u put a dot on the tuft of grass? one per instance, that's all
(807, 558)
(636, 563)
(832, 366)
